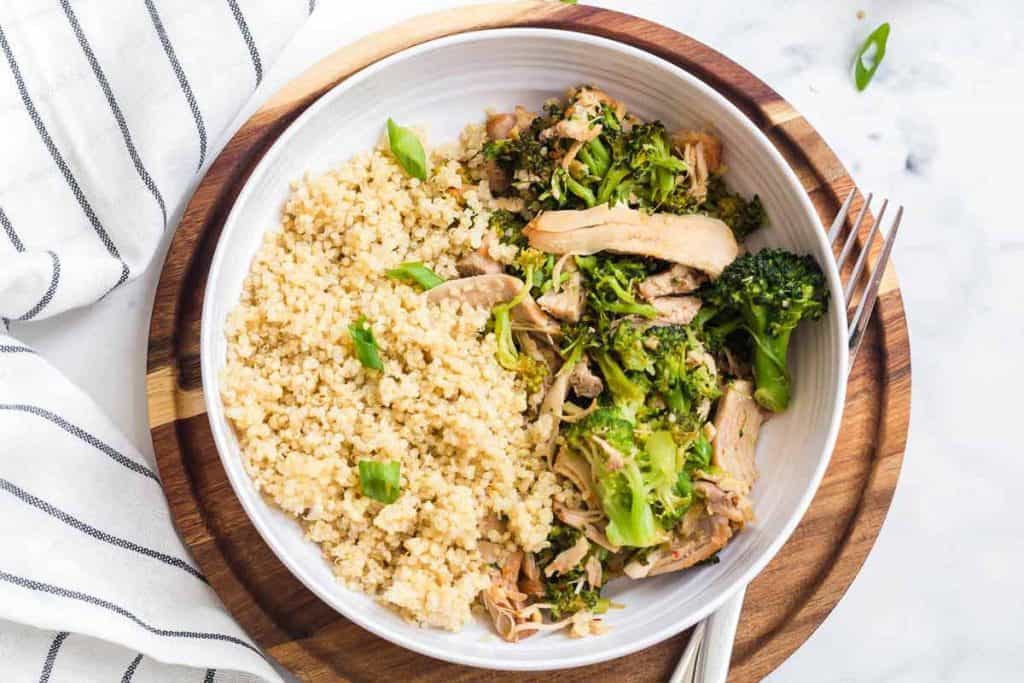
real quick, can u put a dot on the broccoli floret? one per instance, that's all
(628, 391)
(628, 343)
(508, 227)
(609, 282)
(744, 217)
(619, 481)
(681, 383)
(671, 490)
(652, 163)
(770, 292)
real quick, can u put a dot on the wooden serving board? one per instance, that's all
(784, 605)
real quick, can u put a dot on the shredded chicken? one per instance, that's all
(576, 469)
(702, 153)
(552, 407)
(500, 126)
(567, 560)
(697, 241)
(678, 279)
(615, 459)
(486, 291)
(594, 573)
(529, 580)
(506, 605)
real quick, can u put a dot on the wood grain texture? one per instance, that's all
(784, 604)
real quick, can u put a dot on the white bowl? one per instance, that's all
(445, 84)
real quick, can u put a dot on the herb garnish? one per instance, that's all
(874, 50)
(407, 149)
(380, 480)
(366, 345)
(414, 271)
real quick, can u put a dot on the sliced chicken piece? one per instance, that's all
(567, 560)
(487, 291)
(697, 241)
(711, 146)
(584, 382)
(594, 573)
(737, 423)
(477, 263)
(567, 303)
(500, 125)
(524, 117)
(675, 310)
(678, 279)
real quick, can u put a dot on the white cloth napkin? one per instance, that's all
(108, 108)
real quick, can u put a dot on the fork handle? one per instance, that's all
(718, 641)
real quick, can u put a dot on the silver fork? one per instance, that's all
(707, 654)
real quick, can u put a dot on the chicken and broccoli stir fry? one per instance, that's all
(653, 345)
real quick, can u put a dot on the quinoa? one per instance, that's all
(306, 411)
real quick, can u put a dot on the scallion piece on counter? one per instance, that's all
(407, 149)
(380, 480)
(414, 271)
(366, 345)
(873, 50)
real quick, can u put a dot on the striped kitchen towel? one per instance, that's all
(108, 109)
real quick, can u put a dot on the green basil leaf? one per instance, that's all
(877, 40)
(414, 271)
(380, 480)
(407, 149)
(366, 345)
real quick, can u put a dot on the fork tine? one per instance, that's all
(851, 237)
(858, 267)
(867, 304)
(837, 224)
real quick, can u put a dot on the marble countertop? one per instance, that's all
(939, 130)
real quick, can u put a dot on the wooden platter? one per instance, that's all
(786, 602)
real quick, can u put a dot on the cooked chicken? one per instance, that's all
(487, 291)
(498, 179)
(566, 304)
(678, 279)
(737, 423)
(540, 350)
(551, 407)
(529, 580)
(686, 552)
(693, 240)
(675, 310)
(500, 126)
(711, 146)
(591, 522)
(576, 469)
(614, 456)
(593, 571)
(567, 560)
(504, 602)
(584, 382)
(732, 505)
(477, 263)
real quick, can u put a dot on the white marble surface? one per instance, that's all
(939, 130)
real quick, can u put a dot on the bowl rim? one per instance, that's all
(241, 485)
